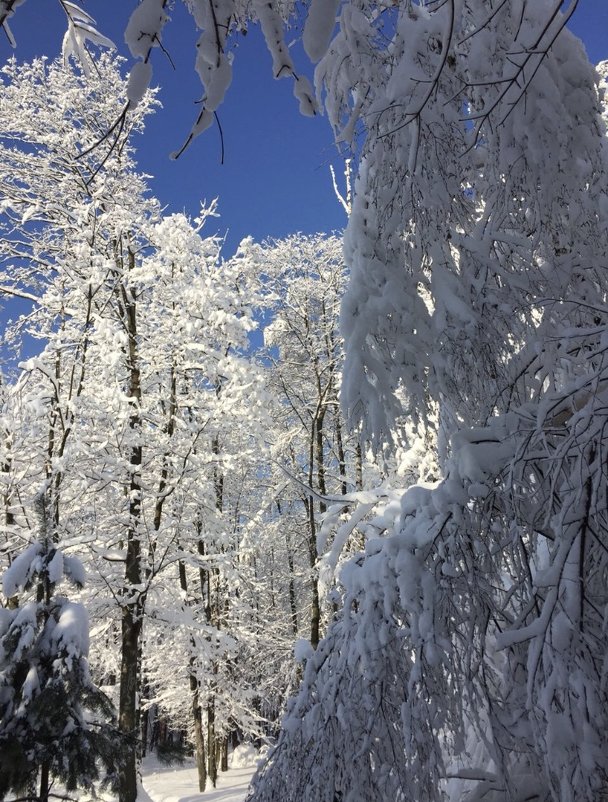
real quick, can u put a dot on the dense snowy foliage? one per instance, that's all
(451, 634)
(133, 412)
(170, 469)
(471, 643)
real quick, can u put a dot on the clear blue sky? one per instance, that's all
(275, 178)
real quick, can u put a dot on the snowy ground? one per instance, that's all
(163, 783)
(180, 783)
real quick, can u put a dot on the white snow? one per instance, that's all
(31, 684)
(72, 629)
(144, 27)
(139, 81)
(25, 623)
(75, 570)
(302, 650)
(171, 784)
(20, 570)
(318, 28)
(160, 783)
(55, 567)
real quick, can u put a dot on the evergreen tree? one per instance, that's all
(55, 724)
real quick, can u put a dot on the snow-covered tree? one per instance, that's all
(141, 410)
(55, 724)
(303, 278)
(69, 229)
(477, 251)
(469, 660)
(434, 101)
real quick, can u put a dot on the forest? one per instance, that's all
(339, 498)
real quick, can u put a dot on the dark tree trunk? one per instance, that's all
(292, 595)
(293, 607)
(341, 456)
(320, 457)
(197, 712)
(133, 604)
(44, 782)
(199, 738)
(128, 709)
(211, 743)
(315, 606)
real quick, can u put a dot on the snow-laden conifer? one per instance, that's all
(57, 728)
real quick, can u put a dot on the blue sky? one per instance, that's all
(275, 178)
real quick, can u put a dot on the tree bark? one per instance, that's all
(315, 605)
(292, 595)
(133, 597)
(199, 737)
(128, 711)
(197, 712)
(341, 456)
(359, 468)
(224, 749)
(44, 782)
(211, 742)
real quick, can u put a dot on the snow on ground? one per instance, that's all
(180, 784)
(162, 783)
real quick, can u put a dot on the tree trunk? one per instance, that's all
(9, 517)
(315, 455)
(315, 615)
(44, 782)
(133, 603)
(145, 731)
(199, 738)
(341, 456)
(359, 468)
(315, 606)
(320, 457)
(214, 618)
(128, 709)
(293, 607)
(211, 744)
(197, 712)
